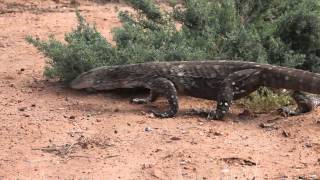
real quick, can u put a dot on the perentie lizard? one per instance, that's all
(222, 81)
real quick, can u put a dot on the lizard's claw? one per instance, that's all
(138, 101)
(212, 115)
(161, 114)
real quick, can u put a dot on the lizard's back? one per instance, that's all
(203, 79)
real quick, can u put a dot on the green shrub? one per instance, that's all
(265, 100)
(86, 48)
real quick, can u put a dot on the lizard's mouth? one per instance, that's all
(81, 83)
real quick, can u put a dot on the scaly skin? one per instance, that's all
(222, 81)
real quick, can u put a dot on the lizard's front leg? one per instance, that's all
(165, 87)
(223, 103)
(236, 85)
(304, 102)
(153, 96)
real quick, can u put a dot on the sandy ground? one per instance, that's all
(50, 132)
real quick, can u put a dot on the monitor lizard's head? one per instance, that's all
(103, 78)
(84, 80)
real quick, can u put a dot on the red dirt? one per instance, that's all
(50, 132)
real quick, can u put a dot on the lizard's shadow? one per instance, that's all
(96, 102)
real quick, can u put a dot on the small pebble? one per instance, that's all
(314, 177)
(22, 108)
(175, 138)
(217, 134)
(286, 133)
(308, 145)
(151, 115)
(225, 171)
(26, 115)
(268, 125)
(147, 129)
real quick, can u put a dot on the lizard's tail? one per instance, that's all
(294, 79)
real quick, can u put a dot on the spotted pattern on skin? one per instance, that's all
(286, 78)
(180, 74)
(213, 75)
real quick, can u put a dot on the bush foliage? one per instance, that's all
(265, 100)
(285, 33)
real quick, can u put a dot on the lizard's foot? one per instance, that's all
(167, 114)
(211, 115)
(139, 101)
(287, 111)
(215, 115)
(305, 103)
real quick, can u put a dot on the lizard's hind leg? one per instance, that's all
(305, 103)
(153, 96)
(235, 86)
